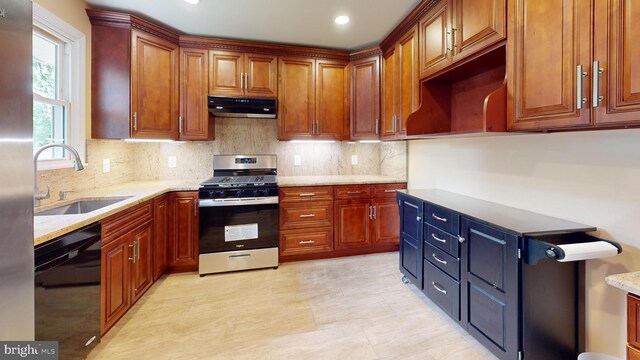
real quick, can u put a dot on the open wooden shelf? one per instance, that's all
(469, 100)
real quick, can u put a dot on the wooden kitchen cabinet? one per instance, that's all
(633, 327)
(134, 78)
(195, 121)
(311, 98)
(242, 74)
(353, 223)
(365, 98)
(183, 231)
(115, 282)
(456, 29)
(386, 222)
(142, 276)
(161, 235)
(400, 85)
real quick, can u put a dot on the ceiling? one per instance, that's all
(298, 22)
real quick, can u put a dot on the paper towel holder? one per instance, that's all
(539, 250)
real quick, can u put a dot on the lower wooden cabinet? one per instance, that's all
(633, 327)
(142, 269)
(115, 282)
(161, 235)
(362, 219)
(183, 231)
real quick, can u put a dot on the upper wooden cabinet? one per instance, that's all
(312, 99)
(365, 98)
(195, 122)
(240, 74)
(400, 85)
(134, 80)
(456, 29)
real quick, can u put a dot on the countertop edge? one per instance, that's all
(629, 282)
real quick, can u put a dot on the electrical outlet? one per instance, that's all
(297, 160)
(354, 159)
(172, 161)
(106, 166)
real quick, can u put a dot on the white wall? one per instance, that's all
(589, 177)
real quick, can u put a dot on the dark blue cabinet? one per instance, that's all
(411, 239)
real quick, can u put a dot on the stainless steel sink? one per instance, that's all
(81, 206)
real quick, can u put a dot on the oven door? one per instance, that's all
(239, 224)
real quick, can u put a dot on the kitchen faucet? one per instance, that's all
(77, 165)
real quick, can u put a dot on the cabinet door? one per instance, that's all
(616, 30)
(365, 99)
(489, 287)
(386, 222)
(478, 24)
(183, 231)
(547, 42)
(389, 90)
(261, 75)
(331, 94)
(160, 235)
(411, 244)
(154, 87)
(352, 221)
(296, 98)
(194, 112)
(115, 281)
(435, 39)
(225, 73)
(633, 325)
(408, 78)
(142, 265)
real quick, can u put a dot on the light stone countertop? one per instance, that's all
(629, 282)
(51, 226)
(285, 181)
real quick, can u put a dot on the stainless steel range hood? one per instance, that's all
(242, 107)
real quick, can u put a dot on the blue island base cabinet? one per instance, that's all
(470, 258)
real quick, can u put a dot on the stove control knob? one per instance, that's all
(219, 194)
(211, 194)
(251, 192)
(263, 192)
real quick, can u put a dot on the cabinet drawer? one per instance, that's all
(443, 219)
(125, 221)
(442, 240)
(346, 192)
(306, 215)
(306, 241)
(388, 190)
(442, 289)
(306, 193)
(442, 260)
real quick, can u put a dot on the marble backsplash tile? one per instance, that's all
(149, 161)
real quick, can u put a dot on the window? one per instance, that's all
(58, 88)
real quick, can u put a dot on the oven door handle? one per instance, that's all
(238, 201)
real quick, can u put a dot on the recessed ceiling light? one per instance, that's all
(192, 2)
(342, 19)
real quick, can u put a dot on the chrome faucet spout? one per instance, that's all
(77, 165)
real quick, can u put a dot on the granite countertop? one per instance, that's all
(629, 282)
(51, 226)
(285, 181)
(518, 221)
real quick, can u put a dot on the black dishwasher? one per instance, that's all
(67, 291)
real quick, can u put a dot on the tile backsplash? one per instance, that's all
(194, 159)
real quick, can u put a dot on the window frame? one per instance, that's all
(75, 76)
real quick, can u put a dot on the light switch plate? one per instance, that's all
(297, 160)
(354, 159)
(172, 161)
(106, 166)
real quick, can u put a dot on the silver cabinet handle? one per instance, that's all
(419, 218)
(307, 215)
(438, 239)
(180, 124)
(579, 76)
(436, 258)
(437, 287)
(438, 218)
(138, 252)
(354, 192)
(393, 118)
(596, 71)
(246, 81)
(370, 212)
(375, 212)
(377, 126)
(133, 256)
(304, 242)
(239, 256)
(307, 194)
(391, 190)
(135, 120)
(461, 240)
(454, 38)
(447, 33)
(241, 81)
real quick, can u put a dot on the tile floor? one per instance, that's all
(346, 308)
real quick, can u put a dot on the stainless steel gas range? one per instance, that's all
(239, 214)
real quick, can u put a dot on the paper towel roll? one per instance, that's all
(588, 250)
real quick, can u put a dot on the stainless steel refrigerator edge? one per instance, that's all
(16, 171)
